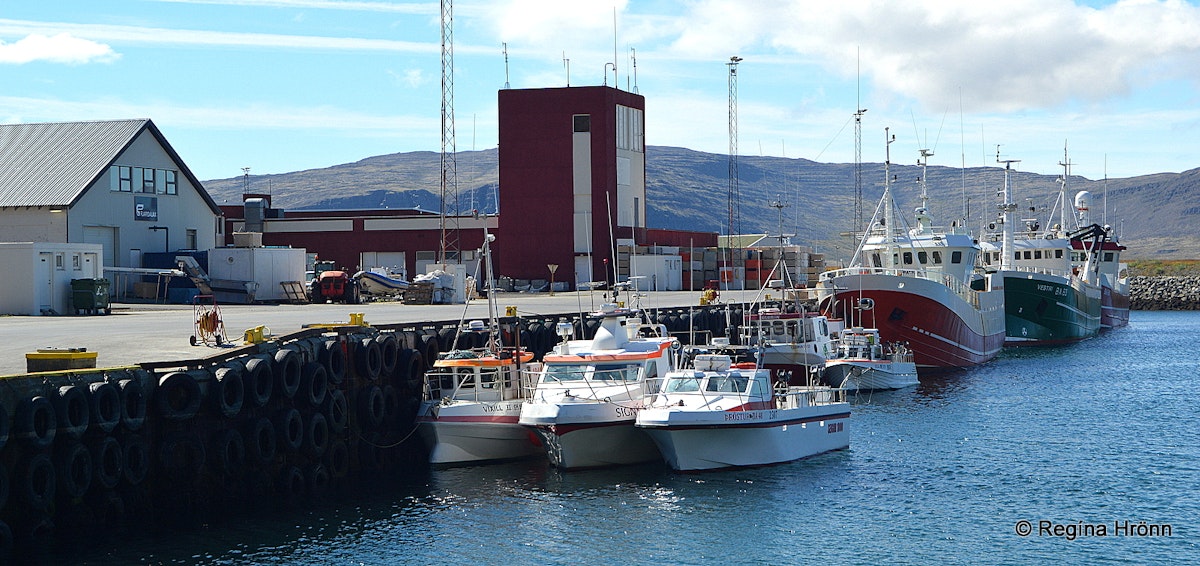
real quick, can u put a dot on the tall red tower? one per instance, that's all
(572, 180)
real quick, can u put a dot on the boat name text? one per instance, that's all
(750, 415)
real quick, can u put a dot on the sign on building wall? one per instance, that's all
(145, 208)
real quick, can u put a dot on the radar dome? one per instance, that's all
(1083, 200)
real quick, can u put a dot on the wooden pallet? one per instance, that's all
(295, 291)
(419, 294)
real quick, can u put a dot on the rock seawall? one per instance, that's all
(1164, 293)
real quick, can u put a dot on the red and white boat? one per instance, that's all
(919, 288)
(589, 392)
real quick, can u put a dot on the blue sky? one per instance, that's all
(287, 85)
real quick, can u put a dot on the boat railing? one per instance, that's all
(1066, 274)
(956, 285)
(809, 396)
(487, 384)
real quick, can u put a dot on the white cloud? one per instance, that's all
(410, 78)
(402, 8)
(60, 48)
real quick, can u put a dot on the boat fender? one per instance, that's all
(291, 483)
(133, 404)
(74, 465)
(178, 396)
(391, 404)
(368, 359)
(371, 405)
(333, 355)
(137, 459)
(291, 429)
(73, 410)
(228, 393)
(38, 481)
(317, 479)
(229, 452)
(258, 381)
(287, 372)
(338, 411)
(316, 435)
(338, 458)
(105, 405)
(110, 461)
(36, 422)
(261, 445)
(314, 384)
(389, 350)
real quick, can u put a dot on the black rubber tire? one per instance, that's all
(258, 380)
(332, 355)
(317, 479)
(389, 350)
(261, 444)
(337, 411)
(105, 405)
(5, 428)
(291, 483)
(182, 457)
(38, 481)
(5, 488)
(36, 422)
(73, 410)
(133, 404)
(290, 427)
(229, 452)
(371, 405)
(314, 384)
(316, 435)
(136, 452)
(338, 457)
(368, 359)
(412, 366)
(391, 406)
(287, 372)
(74, 465)
(228, 391)
(110, 461)
(178, 397)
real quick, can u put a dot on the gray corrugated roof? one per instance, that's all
(51, 164)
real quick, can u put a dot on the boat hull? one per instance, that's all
(1114, 307)
(710, 440)
(866, 375)
(1042, 309)
(589, 435)
(475, 433)
(943, 330)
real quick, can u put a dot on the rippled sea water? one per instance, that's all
(1071, 438)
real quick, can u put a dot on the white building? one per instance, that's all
(114, 183)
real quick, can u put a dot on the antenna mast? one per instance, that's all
(1007, 207)
(858, 196)
(449, 212)
(734, 196)
(505, 49)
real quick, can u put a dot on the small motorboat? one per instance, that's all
(379, 285)
(723, 415)
(863, 362)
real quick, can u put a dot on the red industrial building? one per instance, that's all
(572, 188)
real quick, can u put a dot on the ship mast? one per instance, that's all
(889, 207)
(1062, 190)
(1007, 207)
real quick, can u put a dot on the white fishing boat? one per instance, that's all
(862, 362)
(472, 398)
(588, 392)
(716, 415)
(379, 284)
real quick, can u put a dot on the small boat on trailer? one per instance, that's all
(720, 415)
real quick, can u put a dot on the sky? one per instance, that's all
(288, 85)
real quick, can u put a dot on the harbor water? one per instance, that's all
(1088, 453)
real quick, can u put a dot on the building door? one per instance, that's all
(45, 282)
(393, 262)
(105, 236)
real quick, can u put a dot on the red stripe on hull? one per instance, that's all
(937, 335)
(1114, 308)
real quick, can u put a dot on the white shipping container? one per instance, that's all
(265, 267)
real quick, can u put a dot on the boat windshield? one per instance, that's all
(564, 372)
(732, 383)
(681, 384)
(598, 372)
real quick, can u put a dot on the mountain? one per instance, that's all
(1154, 215)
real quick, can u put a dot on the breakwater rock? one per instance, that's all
(1164, 293)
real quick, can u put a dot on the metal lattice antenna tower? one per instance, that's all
(734, 196)
(858, 196)
(449, 212)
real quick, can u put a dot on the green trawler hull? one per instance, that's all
(1042, 309)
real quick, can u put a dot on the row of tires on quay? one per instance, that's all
(280, 422)
(284, 421)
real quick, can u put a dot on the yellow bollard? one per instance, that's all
(357, 319)
(256, 335)
(510, 311)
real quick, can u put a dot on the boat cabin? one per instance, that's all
(478, 375)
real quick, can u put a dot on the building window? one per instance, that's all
(147, 180)
(1057, 254)
(907, 258)
(937, 257)
(171, 182)
(121, 178)
(190, 239)
(75, 263)
(1037, 254)
(581, 123)
(955, 257)
(58, 261)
